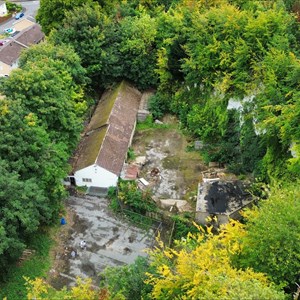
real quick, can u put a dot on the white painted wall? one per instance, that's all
(99, 176)
(3, 9)
(15, 64)
(4, 69)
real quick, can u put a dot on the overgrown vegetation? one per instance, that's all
(130, 154)
(131, 196)
(149, 123)
(37, 265)
(183, 226)
(40, 122)
(13, 7)
(132, 203)
(200, 56)
(128, 282)
(208, 54)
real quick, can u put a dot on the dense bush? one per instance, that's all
(131, 196)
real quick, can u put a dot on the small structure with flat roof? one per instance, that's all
(221, 199)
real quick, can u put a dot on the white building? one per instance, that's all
(3, 9)
(12, 48)
(103, 149)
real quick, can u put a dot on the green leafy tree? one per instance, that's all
(23, 207)
(137, 49)
(139, 201)
(47, 91)
(65, 57)
(92, 35)
(277, 111)
(171, 37)
(29, 152)
(208, 121)
(52, 12)
(272, 244)
(128, 281)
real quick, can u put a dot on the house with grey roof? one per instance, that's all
(103, 149)
(11, 50)
(9, 54)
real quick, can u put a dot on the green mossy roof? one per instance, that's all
(104, 108)
(91, 143)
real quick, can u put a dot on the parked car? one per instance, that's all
(19, 15)
(8, 30)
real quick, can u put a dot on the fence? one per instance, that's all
(159, 223)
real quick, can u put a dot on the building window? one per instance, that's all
(86, 179)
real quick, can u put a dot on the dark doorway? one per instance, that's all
(72, 180)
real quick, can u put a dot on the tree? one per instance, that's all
(39, 124)
(47, 91)
(38, 289)
(271, 244)
(52, 12)
(23, 207)
(199, 267)
(91, 34)
(137, 49)
(28, 151)
(65, 57)
(128, 281)
(277, 111)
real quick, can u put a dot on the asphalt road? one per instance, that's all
(29, 7)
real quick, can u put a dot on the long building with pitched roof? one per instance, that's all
(103, 149)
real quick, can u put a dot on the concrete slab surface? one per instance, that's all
(110, 241)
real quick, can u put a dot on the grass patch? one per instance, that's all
(171, 163)
(149, 124)
(81, 189)
(36, 266)
(130, 154)
(138, 220)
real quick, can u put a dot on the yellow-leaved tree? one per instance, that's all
(83, 290)
(199, 267)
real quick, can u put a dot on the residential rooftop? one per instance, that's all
(11, 51)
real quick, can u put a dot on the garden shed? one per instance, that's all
(103, 149)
